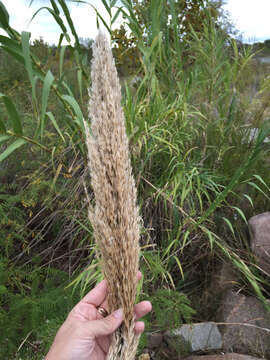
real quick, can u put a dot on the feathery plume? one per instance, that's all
(114, 218)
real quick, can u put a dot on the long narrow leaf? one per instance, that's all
(4, 16)
(79, 78)
(11, 43)
(101, 18)
(70, 22)
(4, 138)
(55, 8)
(229, 225)
(115, 17)
(240, 212)
(14, 53)
(57, 18)
(76, 108)
(45, 96)
(258, 177)
(12, 114)
(18, 143)
(2, 127)
(107, 7)
(27, 56)
(52, 118)
(61, 60)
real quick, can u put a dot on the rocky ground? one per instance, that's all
(242, 326)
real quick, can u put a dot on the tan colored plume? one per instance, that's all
(115, 217)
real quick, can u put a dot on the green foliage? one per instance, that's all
(171, 309)
(33, 303)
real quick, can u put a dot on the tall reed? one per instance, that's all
(115, 217)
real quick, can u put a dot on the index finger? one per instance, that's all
(97, 295)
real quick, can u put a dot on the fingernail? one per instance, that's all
(118, 314)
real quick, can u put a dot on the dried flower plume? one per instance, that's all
(115, 217)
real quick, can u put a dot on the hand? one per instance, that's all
(85, 335)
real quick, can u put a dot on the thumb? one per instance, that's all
(107, 325)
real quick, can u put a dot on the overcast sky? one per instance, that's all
(250, 17)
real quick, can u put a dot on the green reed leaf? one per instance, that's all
(18, 143)
(13, 115)
(49, 78)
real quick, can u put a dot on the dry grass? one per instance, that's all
(115, 217)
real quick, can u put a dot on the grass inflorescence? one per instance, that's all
(196, 112)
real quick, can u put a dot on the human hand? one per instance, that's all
(86, 334)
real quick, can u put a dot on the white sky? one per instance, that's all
(44, 25)
(251, 17)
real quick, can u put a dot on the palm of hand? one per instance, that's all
(82, 335)
(87, 346)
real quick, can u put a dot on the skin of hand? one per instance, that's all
(85, 335)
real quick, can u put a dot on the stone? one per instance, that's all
(154, 340)
(195, 337)
(231, 356)
(259, 229)
(248, 328)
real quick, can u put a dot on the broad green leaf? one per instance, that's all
(4, 138)
(4, 16)
(55, 8)
(52, 118)
(61, 60)
(14, 53)
(27, 56)
(18, 143)
(76, 108)
(11, 44)
(12, 114)
(2, 127)
(70, 22)
(113, 2)
(107, 7)
(61, 37)
(45, 96)
(68, 89)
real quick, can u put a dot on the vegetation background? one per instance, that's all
(197, 116)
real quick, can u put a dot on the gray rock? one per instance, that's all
(154, 340)
(231, 356)
(248, 328)
(195, 337)
(259, 228)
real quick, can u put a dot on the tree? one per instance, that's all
(173, 18)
